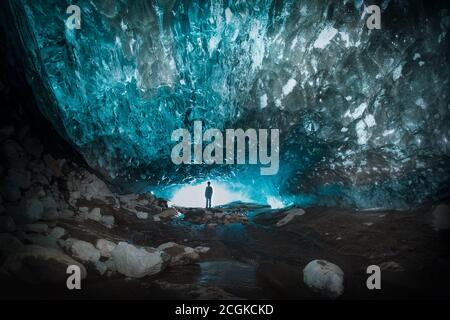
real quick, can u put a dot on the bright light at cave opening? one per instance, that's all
(275, 203)
(193, 196)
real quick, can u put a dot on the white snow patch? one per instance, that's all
(421, 103)
(358, 111)
(370, 121)
(228, 15)
(212, 44)
(278, 103)
(346, 38)
(325, 37)
(263, 101)
(289, 86)
(361, 132)
(397, 73)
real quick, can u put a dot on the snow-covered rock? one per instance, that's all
(57, 232)
(107, 221)
(28, 211)
(201, 249)
(142, 215)
(82, 250)
(105, 247)
(325, 278)
(19, 177)
(95, 215)
(138, 262)
(88, 186)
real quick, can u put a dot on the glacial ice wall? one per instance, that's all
(363, 114)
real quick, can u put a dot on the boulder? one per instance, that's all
(50, 215)
(111, 265)
(290, 216)
(83, 209)
(105, 247)
(142, 215)
(57, 232)
(7, 224)
(107, 221)
(82, 250)
(90, 187)
(49, 203)
(180, 255)
(100, 267)
(9, 191)
(66, 214)
(325, 278)
(28, 211)
(36, 264)
(201, 249)
(14, 155)
(73, 197)
(33, 146)
(19, 177)
(95, 214)
(129, 199)
(39, 178)
(138, 262)
(441, 217)
(166, 214)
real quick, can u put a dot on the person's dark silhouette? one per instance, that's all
(208, 195)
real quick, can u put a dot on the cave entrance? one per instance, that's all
(225, 192)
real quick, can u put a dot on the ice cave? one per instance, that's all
(362, 113)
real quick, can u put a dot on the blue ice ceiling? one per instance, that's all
(364, 115)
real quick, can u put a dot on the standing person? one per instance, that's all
(208, 195)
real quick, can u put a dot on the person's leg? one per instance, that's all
(206, 203)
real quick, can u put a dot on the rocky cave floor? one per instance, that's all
(55, 213)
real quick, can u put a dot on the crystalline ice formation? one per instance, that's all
(364, 114)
